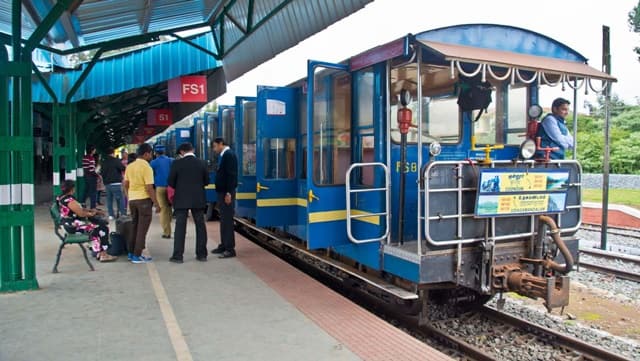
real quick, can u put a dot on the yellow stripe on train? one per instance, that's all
(329, 216)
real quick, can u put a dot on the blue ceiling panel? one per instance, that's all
(137, 69)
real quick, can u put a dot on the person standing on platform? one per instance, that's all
(189, 177)
(138, 188)
(226, 183)
(90, 177)
(161, 166)
(112, 170)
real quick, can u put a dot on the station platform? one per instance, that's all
(618, 215)
(252, 307)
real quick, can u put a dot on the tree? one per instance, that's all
(634, 23)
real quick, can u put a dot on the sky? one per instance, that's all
(576, 23)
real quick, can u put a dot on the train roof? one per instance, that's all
(491, 45)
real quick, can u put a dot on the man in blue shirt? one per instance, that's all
(553, 131)
(161, 166)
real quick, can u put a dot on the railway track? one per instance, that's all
(623, 274)
(506, 334)
(500, 332)
(618, 231)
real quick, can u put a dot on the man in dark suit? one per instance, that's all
(226, 183)
(189, 176)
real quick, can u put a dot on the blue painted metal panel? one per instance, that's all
(137, 69)
(246, 193)
(367, 254)
(502, 37)
(402, 268)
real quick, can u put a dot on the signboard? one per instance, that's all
(506, 192)
(188, 89)
(137, 139)
(159, 117)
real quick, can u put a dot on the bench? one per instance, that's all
(67, 238)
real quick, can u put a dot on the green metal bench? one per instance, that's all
(67, 238)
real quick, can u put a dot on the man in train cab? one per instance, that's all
(226, 183)
(138, 188)
(161, 166)
(553, 131)
(189, 177)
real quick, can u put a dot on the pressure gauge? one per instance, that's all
(535, 111)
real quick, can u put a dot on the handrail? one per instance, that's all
(387, 199)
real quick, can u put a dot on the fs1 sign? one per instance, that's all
(188, 89)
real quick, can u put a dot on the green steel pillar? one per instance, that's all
(17, 253)
(5, 174)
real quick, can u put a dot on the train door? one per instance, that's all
(212, 131)
(246, 150)
(328, 153)
(277, 128)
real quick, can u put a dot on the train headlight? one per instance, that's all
(535, 111)
(527, 149)
(435, 148)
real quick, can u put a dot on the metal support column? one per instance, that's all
(17, 252)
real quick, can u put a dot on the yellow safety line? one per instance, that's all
(178, 342)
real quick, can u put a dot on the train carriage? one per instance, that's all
(377, 162)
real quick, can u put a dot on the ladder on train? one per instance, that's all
(351, 215)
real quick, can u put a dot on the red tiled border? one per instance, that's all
(368, 336)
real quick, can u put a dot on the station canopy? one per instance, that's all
(242, 35)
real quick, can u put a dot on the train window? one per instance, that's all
(517, 115)
(505, 119)
(249, 138)
(279, 158)
(364, 144)
(200, 139)
(440, 115)
(212, 158)
(227, 126)
(302, 137)
(331, 127)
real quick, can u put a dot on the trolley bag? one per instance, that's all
(124, 227)
(118, 244)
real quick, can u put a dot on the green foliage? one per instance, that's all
(624, 145)
(634, 23)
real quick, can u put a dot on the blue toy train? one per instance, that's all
(375, 167)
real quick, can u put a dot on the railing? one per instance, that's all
(387, 200)
(457, 167)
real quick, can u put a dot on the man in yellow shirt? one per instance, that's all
(138, 188)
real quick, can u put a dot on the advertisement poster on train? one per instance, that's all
(512, 192)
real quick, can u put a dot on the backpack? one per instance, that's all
(474, 94)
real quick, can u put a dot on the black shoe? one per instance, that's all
(227, 254)
(202, 258)
(166, 236)
(218, 250)
(176, 260)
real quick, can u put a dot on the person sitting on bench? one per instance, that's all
(76, 219)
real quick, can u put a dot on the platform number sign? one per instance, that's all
(188, 89)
